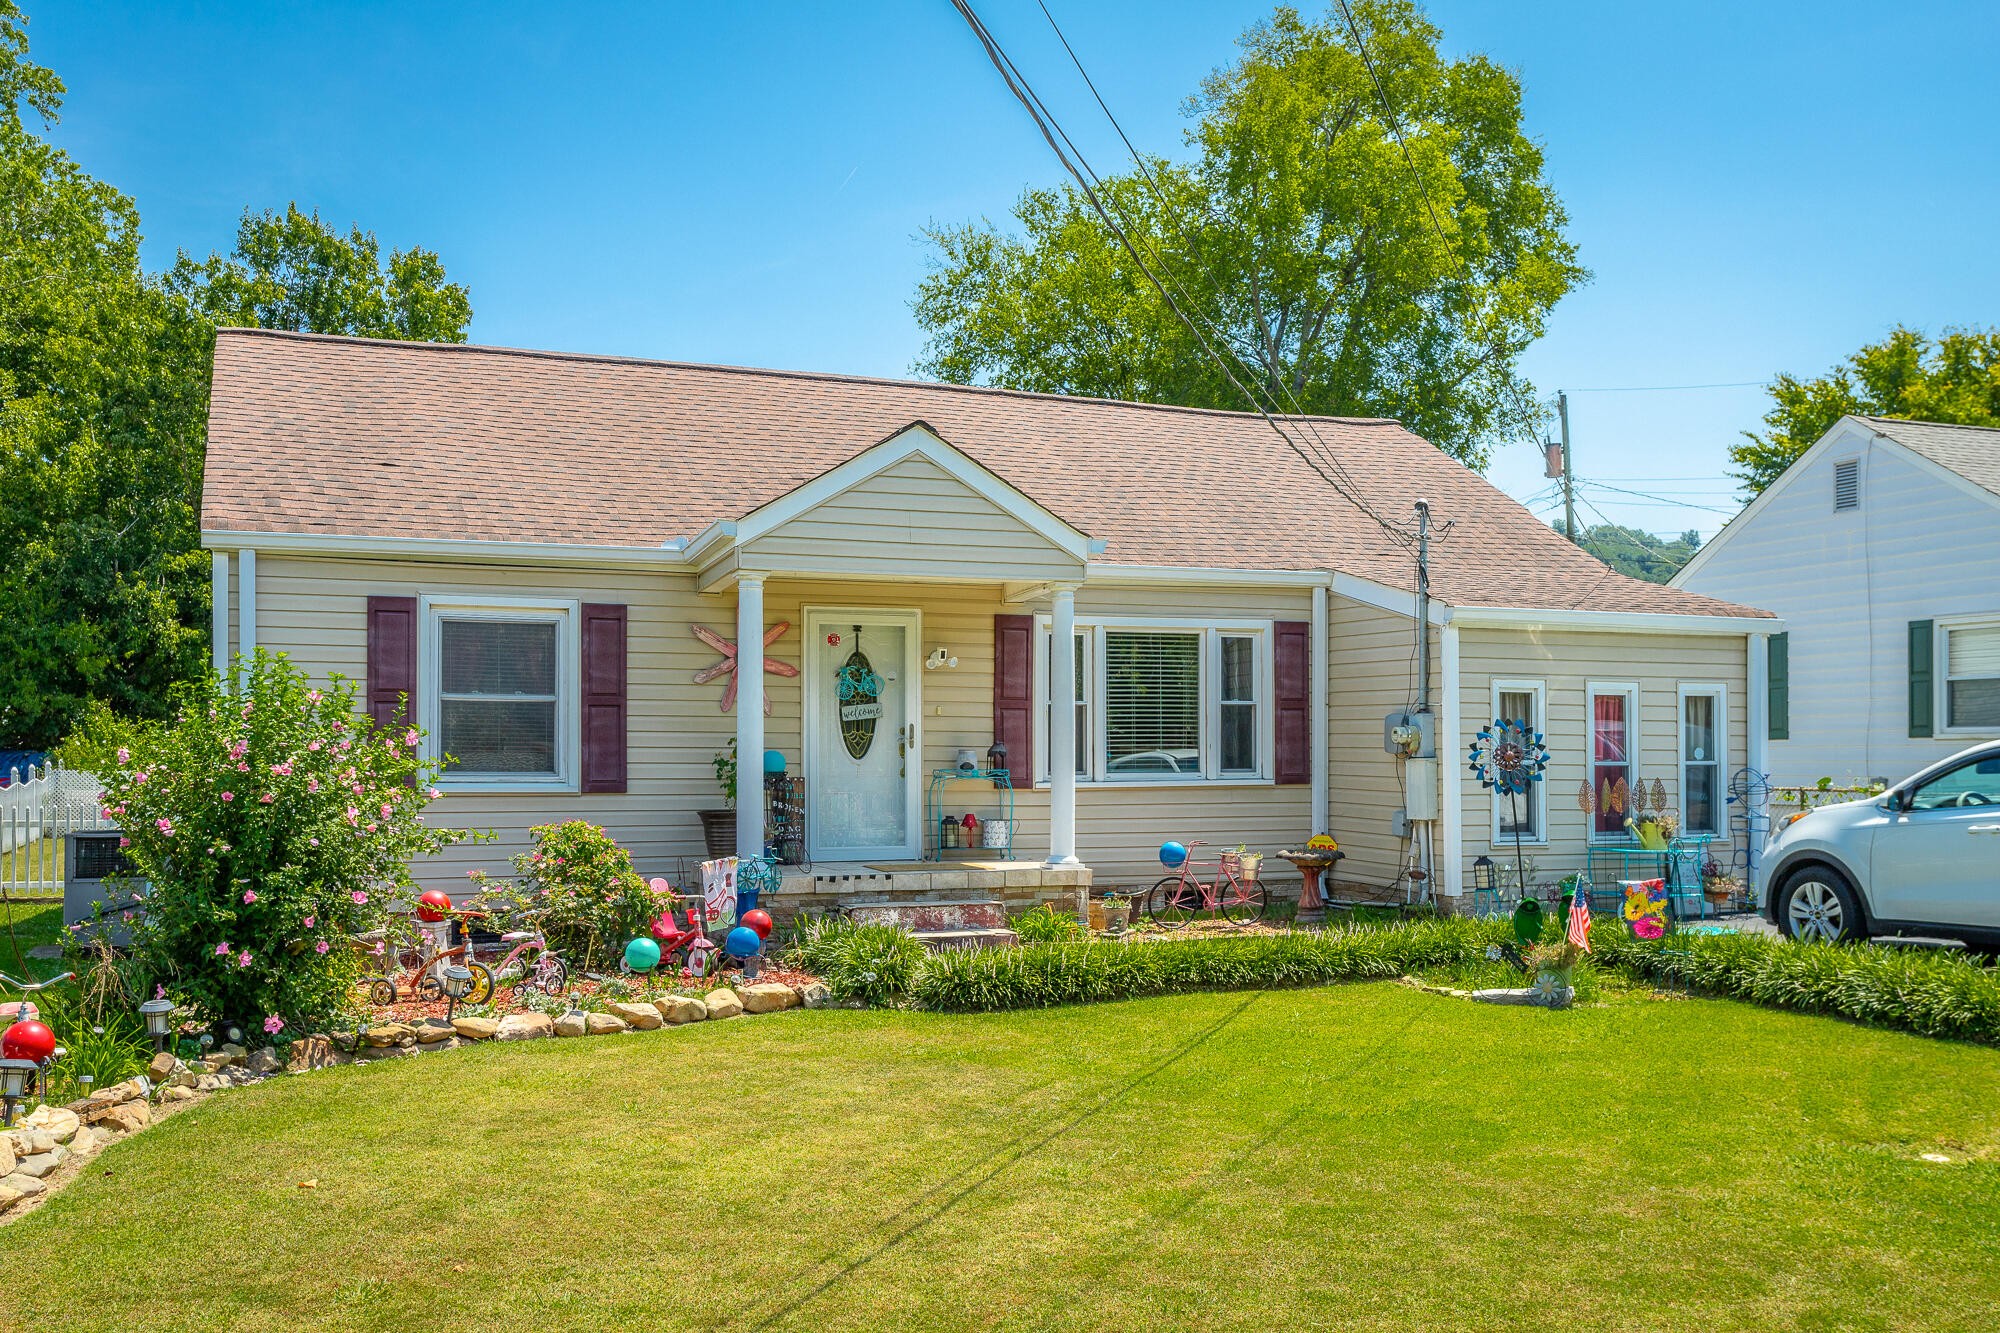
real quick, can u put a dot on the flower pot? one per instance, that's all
(718, 832)
(1115, 918)
(1098, 916)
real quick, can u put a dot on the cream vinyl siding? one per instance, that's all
(316, 610)
(1569, 661)
(1373, 673)
(911, 519)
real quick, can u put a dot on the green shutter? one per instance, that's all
(1923, 637)
(1779, 685)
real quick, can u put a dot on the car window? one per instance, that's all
(1968, 786)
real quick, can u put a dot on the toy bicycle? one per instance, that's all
(547, 972)
(1180, 897)
(697, 951)
(23, 1011)
(426, 964)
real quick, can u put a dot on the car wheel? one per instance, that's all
(1818, 904)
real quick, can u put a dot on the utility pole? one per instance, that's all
(1569, 481)
(1423, 606)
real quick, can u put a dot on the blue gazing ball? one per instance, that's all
(1172, 855)
(642, 954)
(742, 942)
(774, 763)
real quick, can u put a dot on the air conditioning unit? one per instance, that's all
(93, 859)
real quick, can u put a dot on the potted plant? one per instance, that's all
(1117, 910)
(1554, 970)
(1718, 886)
(718, 827)
(1247, 862)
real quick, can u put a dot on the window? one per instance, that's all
(1520, 701)
(1971, 785)
(1972, 676)
(1704, 733)
(1847, 485)
(1166, 703)
(501, 693)
(1612, 710)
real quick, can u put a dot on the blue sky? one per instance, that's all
(1756, 187)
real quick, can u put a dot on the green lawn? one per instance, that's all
(1358, 1156)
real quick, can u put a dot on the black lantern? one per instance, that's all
(14, 1076)
(996, 757)
(159, 1016)
(457, 982)
(1482, 875)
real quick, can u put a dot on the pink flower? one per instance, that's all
(222, 847)
(222, 949)
(379, 949)
(314, 696)
(274, 1024)
(360, 897)
(243, 959)
(243, 768)
(314, 841)
(410, 738)
(312, 784)
(159, 992)
(309, 922)
(352, 814)
(472, 874)
(164, 825)
(338, 725)
(283, 770)
(236, 751)
(247, 707)
(387, 810)
(371, 828)
(124, 842)
(313, 745)
(266, 799)
(124, 755)
(435, 793)
(249, 895)
(347, 742)
(228, 796)
(139, 776)
(357, 789)
(321, 947)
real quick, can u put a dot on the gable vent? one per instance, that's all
(1847, 485)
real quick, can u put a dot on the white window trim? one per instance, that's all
(1212, 629)
(1941, 677)
(1592, 690)
(1537, 795)
(430, 655)
(1720, 692)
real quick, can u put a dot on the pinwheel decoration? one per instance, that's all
(1508, 757)
(727, 666)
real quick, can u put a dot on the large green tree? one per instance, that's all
(104, 375)
(1350, 272)
(1953, 378)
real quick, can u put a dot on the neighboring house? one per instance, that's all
(523, 544)
(1880, 549)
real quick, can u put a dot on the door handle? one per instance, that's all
(1983, 828)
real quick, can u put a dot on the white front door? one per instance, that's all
(862, 748)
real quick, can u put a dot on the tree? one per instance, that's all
(104, 377)
(1954, 379)
(292, 271)
(1351, 278)
(1639, 554)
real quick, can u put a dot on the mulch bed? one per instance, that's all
(506, 1000)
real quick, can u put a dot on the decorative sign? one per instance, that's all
(1646, 907)
(727, 666)
(860, 693)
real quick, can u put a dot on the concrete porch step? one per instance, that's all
(966, 939)
(929, 914)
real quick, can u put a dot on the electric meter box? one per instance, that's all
(1420, 789)
(1425, 726)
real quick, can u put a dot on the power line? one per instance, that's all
(1677, 388)
(1660, 500)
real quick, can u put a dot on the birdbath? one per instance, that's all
(1312, 907)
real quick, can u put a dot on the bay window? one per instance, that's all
(500, 692)
(1165, 702)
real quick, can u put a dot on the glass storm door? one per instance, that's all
(862, 756)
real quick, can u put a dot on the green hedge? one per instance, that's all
(1919, 990)
(1037, 975)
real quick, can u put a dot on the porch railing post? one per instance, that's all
(749, 715)
(1062, 727)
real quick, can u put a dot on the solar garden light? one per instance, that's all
(159, 1016)
(14, 1076)
(457, 982)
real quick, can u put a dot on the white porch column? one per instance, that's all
(246, 610)
(1062, 727)
(1452, 854)
(1322, 761)
(218, 611)
(750, 715)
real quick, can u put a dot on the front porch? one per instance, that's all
(1017, 885)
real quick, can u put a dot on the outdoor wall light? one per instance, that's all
(457, 982)
(940, 657)
(159, 1016)
(14, 1076)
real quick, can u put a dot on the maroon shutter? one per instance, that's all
(1014, 694)
(392, 659)
(603, 697)
(1291, 669)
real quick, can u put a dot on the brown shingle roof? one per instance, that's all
(1973, 452)
(352, 436)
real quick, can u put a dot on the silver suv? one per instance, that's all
(1923, 858)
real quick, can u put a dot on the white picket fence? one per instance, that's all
(38, 811)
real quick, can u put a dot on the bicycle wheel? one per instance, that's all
(430, 989)
(1173, 902)
(381, 990)
(551, 975)
(482, 984)
(1243, 903)
(698, 961)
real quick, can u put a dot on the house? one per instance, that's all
(1880, 549)
(538, 550)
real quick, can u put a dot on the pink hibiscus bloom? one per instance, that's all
(222, 949)
(243, 959)
(309, 922)
(124, 755)
(312, 784)
(164, 825)
(274, 1024)
(228, 796)
(360, 897)
(410, 738)
(314, 696)
(249, 895)
(321, 947)
(387, 810)
(266, 799)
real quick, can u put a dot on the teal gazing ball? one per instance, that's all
(642, 954)
(774, 763)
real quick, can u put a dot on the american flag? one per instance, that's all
(1579, 919)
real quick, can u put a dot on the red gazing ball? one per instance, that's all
(28, 1040)
(760, 921)
(433, 905)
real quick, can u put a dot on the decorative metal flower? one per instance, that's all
(1507, 756)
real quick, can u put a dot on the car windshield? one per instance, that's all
(1974, 783)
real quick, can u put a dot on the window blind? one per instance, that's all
(1152, 703)
(498, 694)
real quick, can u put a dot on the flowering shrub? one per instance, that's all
(270, 820)
(590, 899)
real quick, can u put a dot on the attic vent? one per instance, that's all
(1847, 485)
